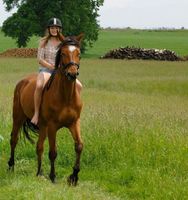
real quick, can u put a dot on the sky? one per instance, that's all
(136, 14)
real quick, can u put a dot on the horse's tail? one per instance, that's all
(26, 127)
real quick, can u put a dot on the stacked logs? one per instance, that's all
(141, 53)
(20, 52)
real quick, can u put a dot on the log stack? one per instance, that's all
(141, 53)
(20, 52)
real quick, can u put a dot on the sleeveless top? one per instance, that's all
(47, 53)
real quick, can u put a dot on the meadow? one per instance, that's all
(175, 40)
(134, 126)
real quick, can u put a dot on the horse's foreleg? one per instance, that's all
(52, 151)
(40, 148)
(75, 130)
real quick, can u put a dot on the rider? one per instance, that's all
(46, 56)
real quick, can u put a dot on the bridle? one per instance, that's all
(69, 42)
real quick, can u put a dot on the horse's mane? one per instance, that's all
(71, 40)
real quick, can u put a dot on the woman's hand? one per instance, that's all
(46, 64)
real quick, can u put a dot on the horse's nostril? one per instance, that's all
(77, 73)
(71, 76)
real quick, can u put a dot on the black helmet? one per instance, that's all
(54, 22)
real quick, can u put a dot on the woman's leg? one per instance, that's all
(42, 79)
(78, 85)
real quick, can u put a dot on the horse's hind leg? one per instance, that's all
(13, 142)
(18, 119)
(75, 130)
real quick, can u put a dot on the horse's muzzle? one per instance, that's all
(71, 76)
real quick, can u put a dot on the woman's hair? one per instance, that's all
(47, 36)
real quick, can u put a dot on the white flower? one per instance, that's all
(1, 138)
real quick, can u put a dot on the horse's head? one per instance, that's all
(68, 56)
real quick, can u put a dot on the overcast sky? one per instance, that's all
(137, 13)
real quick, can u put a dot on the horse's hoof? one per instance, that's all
(10, 165)
(72, 180)
(10, 169)
(40, 173)
(52, 178)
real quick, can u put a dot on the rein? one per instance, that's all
(51, 79)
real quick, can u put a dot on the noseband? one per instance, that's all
(69, 64)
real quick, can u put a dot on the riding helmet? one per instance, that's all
(54, 22)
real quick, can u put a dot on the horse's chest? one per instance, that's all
(67, 116)
(61, 114)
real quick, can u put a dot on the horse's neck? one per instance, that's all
(65, 87)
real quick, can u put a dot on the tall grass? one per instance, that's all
(134, 126)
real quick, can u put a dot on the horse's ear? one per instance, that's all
(80, 37)
(61, 36)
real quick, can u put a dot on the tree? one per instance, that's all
(32, 15)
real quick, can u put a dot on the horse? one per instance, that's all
(61, 106)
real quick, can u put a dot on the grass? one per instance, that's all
(175, 40)
(8, 43)
(165, 39)
(134, 126)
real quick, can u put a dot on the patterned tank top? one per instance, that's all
(47, 53)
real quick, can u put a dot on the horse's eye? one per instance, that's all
(63, 54)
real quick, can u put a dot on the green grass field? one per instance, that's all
(175, 40)
(134, 126)
(165, 39)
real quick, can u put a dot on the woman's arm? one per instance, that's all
(46, 64)
(41, 58)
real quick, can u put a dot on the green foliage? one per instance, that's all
(32, 16)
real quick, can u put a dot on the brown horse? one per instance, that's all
(60, 107)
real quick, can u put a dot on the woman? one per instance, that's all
(46, 56)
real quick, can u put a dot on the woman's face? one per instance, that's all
(53, 30)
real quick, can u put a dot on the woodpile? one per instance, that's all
(20, 52)
(185, 58)
(141, 53)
